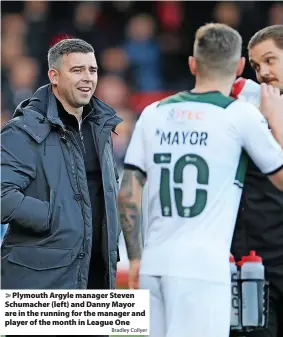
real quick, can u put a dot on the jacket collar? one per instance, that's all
(102, 114)
(42, 105)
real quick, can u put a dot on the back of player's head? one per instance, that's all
(274, 33)
(217, 50)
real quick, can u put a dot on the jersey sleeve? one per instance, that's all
(259, 142)
(136, 152)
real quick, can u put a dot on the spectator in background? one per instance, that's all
(143, 52)
(14, 25)
(86, 25)
(118, 14)
(275, 15)
(124, 131)
(114, 61)
(12, 48)
(85, 21)
(228, 13)
(235, 15)
(36, 15)
(114, 91)
(13, 41)
(21, 81)
(173, 44)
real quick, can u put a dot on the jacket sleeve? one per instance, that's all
(18, 169)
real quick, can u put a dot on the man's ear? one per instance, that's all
(53, 76)
(192, 65)
(241, 66)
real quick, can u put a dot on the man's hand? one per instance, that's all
(272, 109)
(271, 104)
(133, 277)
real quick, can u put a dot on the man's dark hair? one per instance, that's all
(67, 46)
(274, 33)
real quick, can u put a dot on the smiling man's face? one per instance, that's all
(75, 78)
(266, 58)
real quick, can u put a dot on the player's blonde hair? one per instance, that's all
(217, 50)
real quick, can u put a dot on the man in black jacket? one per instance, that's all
(260, 219)
(59, 181)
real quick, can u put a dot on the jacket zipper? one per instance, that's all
(75, 169)
(82, 139)
(81, 254)
(80, 132)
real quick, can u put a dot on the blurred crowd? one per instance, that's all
(141, 47)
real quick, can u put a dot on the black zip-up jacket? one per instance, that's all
(45, 198)
(260, 222)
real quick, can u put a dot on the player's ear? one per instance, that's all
(192, 65)
(241, 66)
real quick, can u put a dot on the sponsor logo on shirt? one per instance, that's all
(181, 115)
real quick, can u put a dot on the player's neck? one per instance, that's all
(202, 86)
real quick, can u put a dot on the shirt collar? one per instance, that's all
(69, 119)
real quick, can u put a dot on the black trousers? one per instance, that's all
(275, 319)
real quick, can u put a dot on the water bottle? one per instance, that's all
(246, 90)
(235, 300)
(252, 276)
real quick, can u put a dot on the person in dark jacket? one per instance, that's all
(260, 220)
(59, 181)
